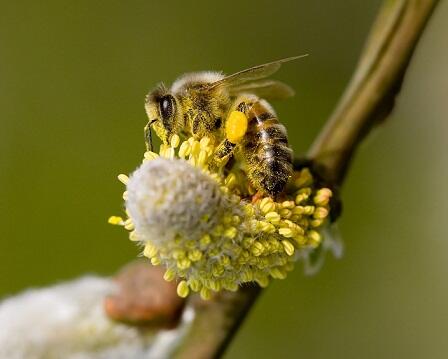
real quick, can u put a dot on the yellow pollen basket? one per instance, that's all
(236, 126)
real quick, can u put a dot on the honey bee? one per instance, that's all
(234, 111)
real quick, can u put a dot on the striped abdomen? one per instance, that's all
(266, 151)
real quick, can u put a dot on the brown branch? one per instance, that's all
(367, 101)
(371, 94)
(216, 322)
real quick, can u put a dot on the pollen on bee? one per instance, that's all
(236, 126)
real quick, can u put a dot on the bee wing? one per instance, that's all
(253, 73)
(267, 89)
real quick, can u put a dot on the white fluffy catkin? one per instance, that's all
(67, 321)
(169, 197)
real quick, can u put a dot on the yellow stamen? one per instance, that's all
(175, 140)
(169, 275)
(115, 220)
(183, 289)
(150, 155)
(289, 248)
(184, 149)
(123, 179)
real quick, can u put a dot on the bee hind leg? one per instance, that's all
(236, 128)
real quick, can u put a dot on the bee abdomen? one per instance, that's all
(266, 150)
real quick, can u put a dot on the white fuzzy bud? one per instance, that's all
(68, 321)
(169, 197)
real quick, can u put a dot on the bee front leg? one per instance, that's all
(148, 137)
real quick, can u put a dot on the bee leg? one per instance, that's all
(257, 196)
(148, 138)
(222, 153)
(236, 127)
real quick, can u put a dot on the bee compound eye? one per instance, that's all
(166, 106)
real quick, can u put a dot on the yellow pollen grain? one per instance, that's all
(123, 178)
(178, 254)
(115, 220)
(289, 248)
(257, 249)
(225, 261)
(175, 140)
(288, 204)
(300, 198)
(267, 205)
(183, 263)
(150, 251)
(205, 240)
(236, 220)
(277, 273)
(204, 142)
(169, 275)
(192, 160)
(323, 196)
(218, 270)
(218, 230)
(202, 158)
(215, 285)
(227, 219)
(298, 210)
(247, 276)
(195, 255)
(320, 213)
(195, 285)
(182, 289)
(231, 286)
(205, 293)
(316, 222)
(155, 261)
(305, 178)
(170, 153)
(150, 155)
(273, 217)
(133, 236)
(314, 237)
(267, 227)
(308, 210)
(184, 149)
(285, 213)
(128, 225)
(286, 232)
(195, 148)
(263, 281)
(230, 232)
(247, 242)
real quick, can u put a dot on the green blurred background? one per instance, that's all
(73, 75)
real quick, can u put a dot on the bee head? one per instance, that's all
(162, 110)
